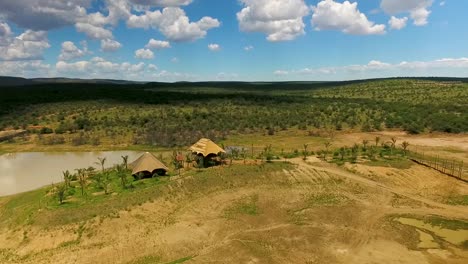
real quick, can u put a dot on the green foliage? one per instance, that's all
(60, 192)
(245, 206)
(458, 200)
(171, 115)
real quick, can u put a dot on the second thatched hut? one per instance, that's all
(206, 149)
(148, 165)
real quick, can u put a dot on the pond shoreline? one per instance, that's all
(26, 171)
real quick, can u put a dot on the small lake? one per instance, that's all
(21, 172)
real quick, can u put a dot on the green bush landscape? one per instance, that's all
(170, 115)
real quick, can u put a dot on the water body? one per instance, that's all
(456, 237)
(21, 172)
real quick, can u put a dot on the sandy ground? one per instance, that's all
(290, 225)
(444, 145)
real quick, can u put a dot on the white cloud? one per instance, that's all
(98, 67)
(376, 69)
(70, 51)
(152, 67)
(109, 45)
(280, 72)
(175, 60)
(30, 45)
(248, 48)
(145, 54)
(418, 9)
(30, 69)
(157, 44)
(162, 3)
(174, 24)
(442, 3)
(280, 20)
(5, 33)
(94, 32)
(40, 15)
(397, 23)
(214, 47)
(345, 17)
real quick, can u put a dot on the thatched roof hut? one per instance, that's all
(206, 147)
(148, 164)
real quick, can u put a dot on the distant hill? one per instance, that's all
(6, 81)
(18, 81)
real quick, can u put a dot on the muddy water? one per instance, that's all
(456, 237)
(20, 172)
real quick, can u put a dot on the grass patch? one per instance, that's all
(401, 164)
(245, 206)
(182, 260)
(458, 200)
(325, 199)
(38, 208)
(446, 223)
(150, 259)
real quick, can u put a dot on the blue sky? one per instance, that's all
(247, 40)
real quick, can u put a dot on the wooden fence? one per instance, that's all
(451, 167)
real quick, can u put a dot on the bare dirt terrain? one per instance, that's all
(444, 145)
(313, 213)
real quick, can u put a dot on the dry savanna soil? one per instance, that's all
(282, 212)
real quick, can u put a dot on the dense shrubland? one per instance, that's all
(178, 114)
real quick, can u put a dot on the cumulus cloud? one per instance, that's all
(157, 44)
(109, 45)
(98, 67)
(397, 23)
(418, 9)
(40, 15)
(345, 17)
(375, 68)
(145, 54)
(174, 24)
(162, 3)
(30, 45)
(30, 69)
(280, 72)
(214, 47)
(70, 51)
(5, 33)
(94, 32)
(280, 20)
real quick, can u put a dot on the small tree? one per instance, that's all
(125, 161)
(342, 153)
(60, 192)
(82, 179)
(405, 145)
(327, 145)
(120, 170)
(305, 153)
(67, 178)
(392, 145)
(365, 142)
(377, 140)
(101, 161)
(106, 181)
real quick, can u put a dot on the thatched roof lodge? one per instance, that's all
(149, 165)
(206, 147)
